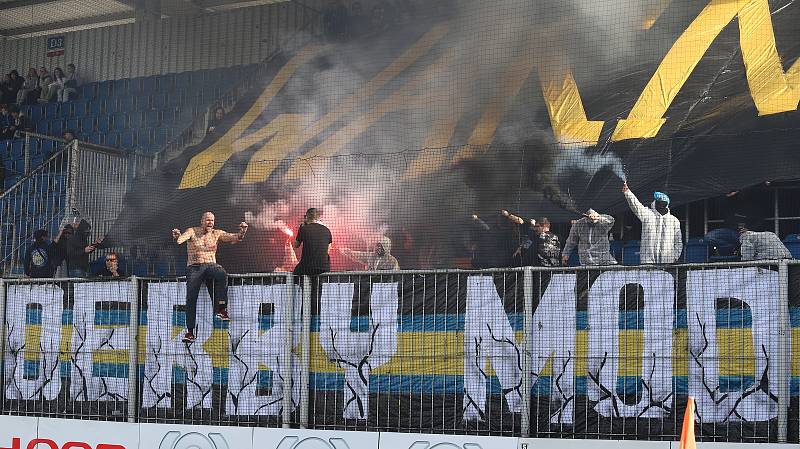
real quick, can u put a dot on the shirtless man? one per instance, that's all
(202, 267)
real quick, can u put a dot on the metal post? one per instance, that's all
(2, 341)
(783, 364)
(776, 213)
(305, 355)
(27, 152)
(288, 347)
(133, 353)
(527, 342)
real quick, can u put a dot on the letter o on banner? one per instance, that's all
(34, 444)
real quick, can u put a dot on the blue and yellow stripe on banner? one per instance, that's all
(430, 351)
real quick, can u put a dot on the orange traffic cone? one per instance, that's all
(687, 434)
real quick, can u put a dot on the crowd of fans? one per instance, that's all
(39, 86)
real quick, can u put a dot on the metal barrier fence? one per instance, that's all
(609, 352)
(70, 181)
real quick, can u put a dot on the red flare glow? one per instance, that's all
(288, 232)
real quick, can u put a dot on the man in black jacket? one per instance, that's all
(39, 257)
(73, 247)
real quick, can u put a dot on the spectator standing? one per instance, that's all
(662, 241)
(39, 256)
(590, 236)
(16, 82)
(72, 246)
(8, 94)
(57, 86)
(546, 244)
(379, 258)
(111, 268)
(45, 80)
(316, 240)
(761, 245)
(29, 87)
(72, 81)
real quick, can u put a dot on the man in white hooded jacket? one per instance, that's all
(662, 241)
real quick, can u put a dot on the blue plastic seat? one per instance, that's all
(631, 253)
(18, 148)
(73, 124)
(36, 112)
(105, 89)
(119, 121)
(792, 242)
(96, 138)
(135, 120)
(112, 139)
(145, 137)
(48, 146)
(52, 110)
(165, 83)
(152, 119)
(120, 87)
(573, 260)
(57, 127)
(103, 124)
(87, 125)
(80, 108)
(148, 84)
(696, 251)
(135, 86)
(87, 91)
(143, 103)
(160, 137)
(126, 140)
(161, 268)
(126, 103)
(97, 107)
(43, 127)
(158, 101)
(616, 249)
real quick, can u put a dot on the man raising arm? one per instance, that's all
(202, 268)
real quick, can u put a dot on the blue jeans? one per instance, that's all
(216, 280)
(725, 241)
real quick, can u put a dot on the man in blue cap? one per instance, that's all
(662, 241)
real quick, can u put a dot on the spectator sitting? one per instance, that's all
(111, 268)
(29, 87)
(45, 80)
(219, 114)
(761, 245)
(6, 123)
(379, 258)
(71, 82)
(22, 123)
(57, 86)
(8, 94)
(39, 257)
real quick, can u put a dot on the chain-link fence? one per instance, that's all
(611, 352)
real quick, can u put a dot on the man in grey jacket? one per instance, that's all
(590, 235)
(761, 245)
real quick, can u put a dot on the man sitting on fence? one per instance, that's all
(111, 268)
(202, 267)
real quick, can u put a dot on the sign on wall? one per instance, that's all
(55, 46)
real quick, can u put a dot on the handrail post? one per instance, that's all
(525, 421)
(2, 342)
(133, 353)
(288, 348)
(305, 355)
(783, 364)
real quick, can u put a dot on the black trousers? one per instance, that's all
(216, 280)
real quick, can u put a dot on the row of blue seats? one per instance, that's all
(107, 123)
(139, 267)
(110, 105)
(145, 138)
(222, 77)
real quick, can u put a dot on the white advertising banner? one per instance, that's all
(58, 433)
(425, 441)
(17, 431)
(313, 439)
(166, 436)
